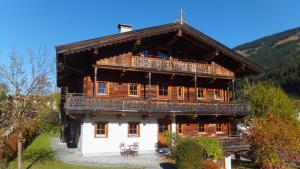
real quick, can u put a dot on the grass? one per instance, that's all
(39, 155)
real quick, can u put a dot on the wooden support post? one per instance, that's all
(229, 129)
(233, 90)
(227, 95)
(95, 81)
(195, 87)
(149, 85)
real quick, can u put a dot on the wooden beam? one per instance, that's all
(95, 81)
(178, 35)
(149, 85)
(195, 81)
(233, 89)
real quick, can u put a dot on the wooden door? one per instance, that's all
(163, 126)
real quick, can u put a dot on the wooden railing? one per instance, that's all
(239, 143)
(167, 65)
(80, 102)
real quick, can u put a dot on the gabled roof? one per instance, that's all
(156, 30)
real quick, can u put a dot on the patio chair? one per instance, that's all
(135, 147)
(122, 148)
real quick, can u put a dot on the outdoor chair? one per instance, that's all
(135, 147)
(122, 148)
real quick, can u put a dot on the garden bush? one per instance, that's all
(172, 139)
(209, 164)
(188, 155)
(211, 146)
(49, 122)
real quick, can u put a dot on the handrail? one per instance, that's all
(235, 142)
(81, 102)
(170, 65)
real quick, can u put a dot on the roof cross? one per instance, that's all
(181, 13)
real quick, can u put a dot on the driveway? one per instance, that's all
(147, 161)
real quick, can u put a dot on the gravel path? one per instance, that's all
(147, 161)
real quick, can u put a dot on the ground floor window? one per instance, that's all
(201, 128)
(101, 129)
(133, 129)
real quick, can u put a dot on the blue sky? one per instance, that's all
(36, 23)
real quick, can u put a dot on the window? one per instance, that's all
(145, 52)
(163, 127)
(133, 89)
(201, 128)
(210, 94)
(200, 93)
(218, 127)
(133, 129)
(163, 55)
(180, 92)
(218, 94)
(102, 88)
(101, 129)
(179, 128)
(163, 90)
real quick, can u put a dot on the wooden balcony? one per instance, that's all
(235, 144)
(173, 66)
(80, 103)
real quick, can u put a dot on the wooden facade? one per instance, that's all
(171, 70)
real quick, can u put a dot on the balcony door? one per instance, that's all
(163, 126)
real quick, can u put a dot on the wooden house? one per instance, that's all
(137, 84)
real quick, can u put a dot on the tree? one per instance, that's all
(267, 97)
(3, 103)
(275, 141)
(26, 78)
(274, 127)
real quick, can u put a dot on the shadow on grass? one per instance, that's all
(167, 165)
(38, 156)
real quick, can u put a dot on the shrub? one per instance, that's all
(49, 122)
(208, 164)
(188, 155)
(172, 139)
(211, 146)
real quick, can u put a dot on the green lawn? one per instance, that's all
(38, 155)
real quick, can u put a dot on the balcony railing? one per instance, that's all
(231, 144)
(81, 103)
(166, 65)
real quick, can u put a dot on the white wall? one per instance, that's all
(228, 162)
(117, 133)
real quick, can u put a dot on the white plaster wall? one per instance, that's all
(80, 138)
(228, 162)
(117, 133)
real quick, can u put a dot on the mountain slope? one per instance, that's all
(280, 55)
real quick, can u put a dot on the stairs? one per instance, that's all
(72, 133)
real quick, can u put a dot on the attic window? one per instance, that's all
(145, 52)
(163, 55)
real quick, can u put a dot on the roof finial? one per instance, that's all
(181, 16)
